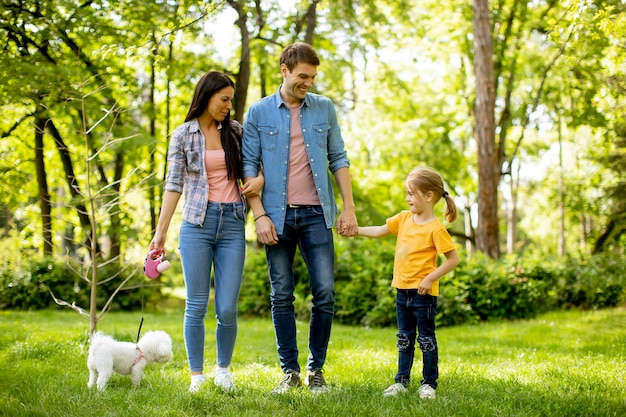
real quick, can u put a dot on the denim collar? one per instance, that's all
(280, 102)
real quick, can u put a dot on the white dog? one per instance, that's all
(107, 355)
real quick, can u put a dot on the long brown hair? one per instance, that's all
(209, 84)
(425, 180)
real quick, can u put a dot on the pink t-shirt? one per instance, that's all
(221, 189)
(300, 186)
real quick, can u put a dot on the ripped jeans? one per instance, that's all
(416, 318)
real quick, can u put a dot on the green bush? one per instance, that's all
(254, 299)
(30, 287)
(363, 282)
(595, 282)
(479, 289)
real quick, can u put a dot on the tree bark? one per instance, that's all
(243, 77)
(42, 182)
(488, 168)
(311, 20)
(70, 176)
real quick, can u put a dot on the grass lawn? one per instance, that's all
(561, 364)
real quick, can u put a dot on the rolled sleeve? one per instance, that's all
(337, 155)
(251, 145)
(176, 164)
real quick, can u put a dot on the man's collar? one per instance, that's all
(281, 102)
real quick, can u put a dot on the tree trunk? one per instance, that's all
(115, 211)
(152, 128)
(311, 20)
(42, 181)
(243, 77)
(488, 166)
(70, 176)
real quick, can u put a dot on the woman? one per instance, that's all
(204, 160)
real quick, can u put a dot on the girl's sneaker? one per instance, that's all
(394, 390)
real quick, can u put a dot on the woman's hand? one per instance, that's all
(253, 186)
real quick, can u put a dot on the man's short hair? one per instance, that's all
(299, 52)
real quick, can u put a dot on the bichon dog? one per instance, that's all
(107, 355)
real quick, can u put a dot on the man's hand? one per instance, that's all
(347, 224)
(266, 231)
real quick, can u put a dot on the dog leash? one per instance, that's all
(141, 322)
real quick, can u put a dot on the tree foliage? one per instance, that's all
(401, 73)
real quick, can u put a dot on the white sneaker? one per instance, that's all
(196, 383)
(224, 381)
(426, 392)
(394, 390)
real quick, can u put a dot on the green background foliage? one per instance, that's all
(98, 87)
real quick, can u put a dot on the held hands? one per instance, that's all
(347, 224)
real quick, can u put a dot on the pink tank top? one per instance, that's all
(300, 186)
(221, 189)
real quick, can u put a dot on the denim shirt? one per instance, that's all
(186, 169)
(266, 141)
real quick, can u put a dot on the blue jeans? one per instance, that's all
(220, 244)
(416, 317)
(304, 228)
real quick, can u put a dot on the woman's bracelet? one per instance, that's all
(262, 215)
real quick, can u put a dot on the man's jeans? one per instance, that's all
(304, 228)
(416, 312)
(218, 243)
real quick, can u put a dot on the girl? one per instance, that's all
(204, 160)
(420, 238)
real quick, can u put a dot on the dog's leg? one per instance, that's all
(93, 375)
(137, 372)
(103, 379)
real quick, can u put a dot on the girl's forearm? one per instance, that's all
(373, 231)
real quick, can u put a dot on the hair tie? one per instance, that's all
(445, 193)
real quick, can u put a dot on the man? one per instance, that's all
(295, 136)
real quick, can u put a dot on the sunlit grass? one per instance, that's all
(562, 364)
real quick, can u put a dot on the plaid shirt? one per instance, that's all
(186, 170)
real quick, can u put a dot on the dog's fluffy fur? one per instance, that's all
(107, 355)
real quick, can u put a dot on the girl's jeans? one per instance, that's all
(220, 244)
(416, 312)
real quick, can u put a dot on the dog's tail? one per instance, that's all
(98, 337)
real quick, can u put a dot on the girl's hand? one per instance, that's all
(425, 286)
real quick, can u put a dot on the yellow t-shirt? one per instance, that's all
(417, 247)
